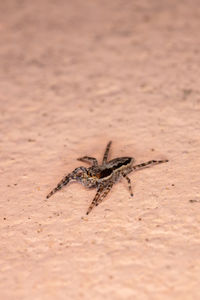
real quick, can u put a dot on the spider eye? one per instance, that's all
(79, 174)
(90, 174)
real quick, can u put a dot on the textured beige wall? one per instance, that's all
(75, 74)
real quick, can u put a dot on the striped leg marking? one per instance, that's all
(100, 195)
(148, 164)
(66, 180)
(88, 159)
(105, 157)
(129, 184)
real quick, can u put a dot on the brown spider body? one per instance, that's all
(103, 176)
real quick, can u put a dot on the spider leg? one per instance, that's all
(88, 159)
(102, 192)
(66, 180)
(148, 164)
(106, 153)
(129, 184)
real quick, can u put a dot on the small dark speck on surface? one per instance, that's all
(186, 93)
(194, 201)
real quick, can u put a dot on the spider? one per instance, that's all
(103, 176)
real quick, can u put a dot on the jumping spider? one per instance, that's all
(103, 176)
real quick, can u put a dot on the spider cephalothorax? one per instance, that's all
(103, 176)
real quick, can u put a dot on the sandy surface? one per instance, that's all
(74, 75)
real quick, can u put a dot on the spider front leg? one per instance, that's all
(129, 184)
(105, 157)
(102, 192)
(88, 159)
(66, 180)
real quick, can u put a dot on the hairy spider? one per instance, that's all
(103, 176)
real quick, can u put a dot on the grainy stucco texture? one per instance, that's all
(74, 75)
